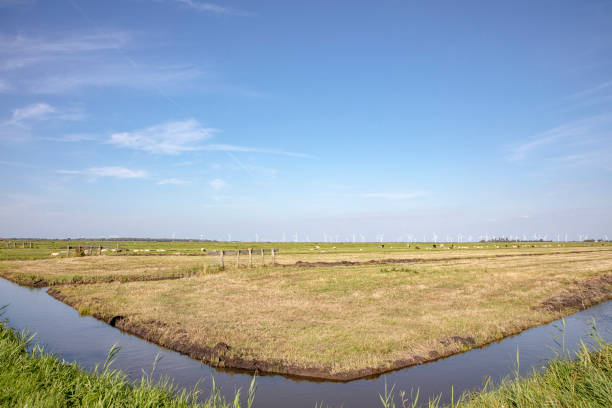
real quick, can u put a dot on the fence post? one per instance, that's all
(221, 258)
(250, 257)
(273, 259)
(263, 259)
(68, 250)
(238, 258)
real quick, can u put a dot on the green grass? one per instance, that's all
(37, 379)
(43, 248)
(581, 380)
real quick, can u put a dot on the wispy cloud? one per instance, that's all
(183, 136)
(22, 120)
(595, 95)
(173, 181)
(579, 131)
(212, 8)
(108, 171)
(44, 111)
(591, 91)
(22, 51)
(247, 149)
(73, 137)
(218, 184)
(4, 86)
(166, 138)
(63, 64)
(400, 195)
(34, 111)
(7, 3)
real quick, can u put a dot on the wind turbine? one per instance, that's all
(229, 237)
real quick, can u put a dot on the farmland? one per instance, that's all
(330, 311)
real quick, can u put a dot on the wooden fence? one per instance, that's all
(222, 254)
(15, 244)
(81, 250)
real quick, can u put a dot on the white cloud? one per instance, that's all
(34, 111)
(182, 136)
(173, 181)
(166, 138)
(395, 195)
(108, 171)
(218, 184)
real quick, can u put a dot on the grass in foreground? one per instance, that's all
(582, 381)
(344, 322)
(37, 379)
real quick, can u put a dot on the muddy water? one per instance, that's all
(87, 341)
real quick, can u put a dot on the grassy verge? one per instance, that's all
(582, 381)
(36, 379)
(343, 323)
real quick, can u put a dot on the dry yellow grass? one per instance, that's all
(343, 322)
(99, 268)
(105, 268)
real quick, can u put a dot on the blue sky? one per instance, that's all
(330, 120)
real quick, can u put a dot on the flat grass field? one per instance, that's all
(323, 312)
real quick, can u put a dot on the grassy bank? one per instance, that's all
(36, 379)
(582, 380)
(347, 322)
